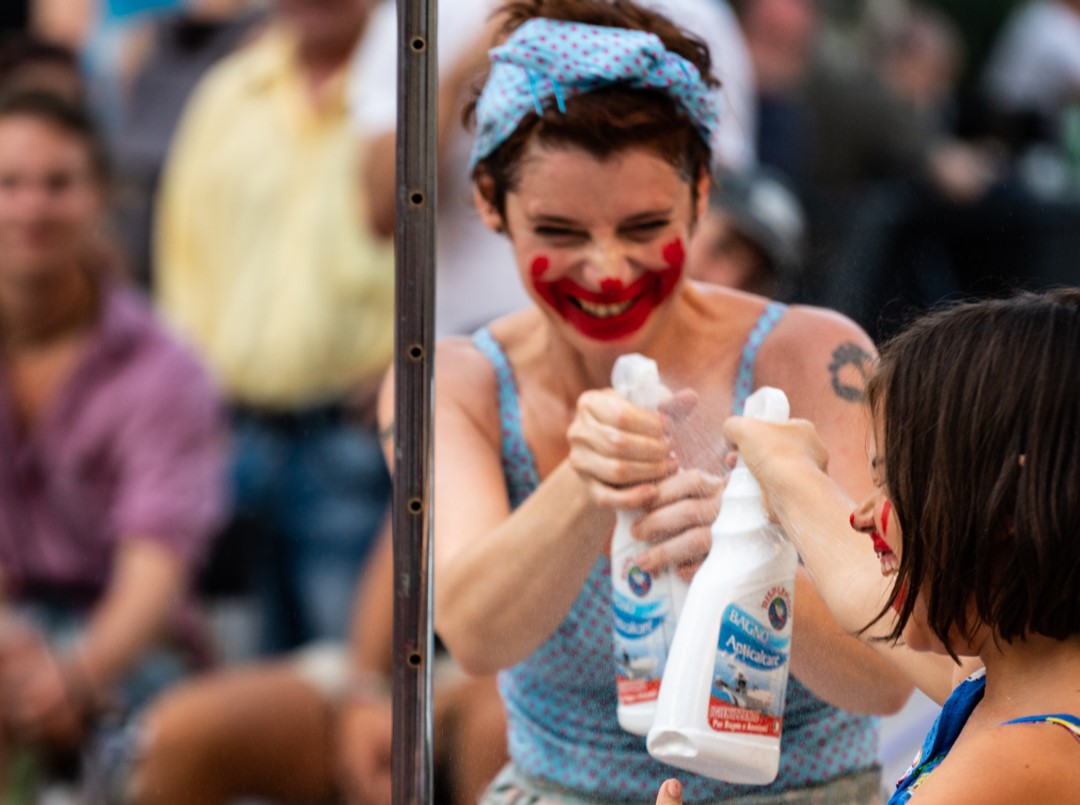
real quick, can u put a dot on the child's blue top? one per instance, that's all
(950, 721)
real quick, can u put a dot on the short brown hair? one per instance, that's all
(70, 118)
(981, 415)
(610, 119)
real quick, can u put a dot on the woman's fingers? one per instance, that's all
(680, 405)
(689, 484)
(615, 446)
(689, 548)
(670, 793)
(630, 498)
(619, 472)
(612, 442)
(677, 520)
(608, 408)
(669, 521)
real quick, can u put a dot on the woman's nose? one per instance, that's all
(611, 268)
(862, 519)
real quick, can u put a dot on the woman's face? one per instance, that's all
(50, 201)
(600, 244)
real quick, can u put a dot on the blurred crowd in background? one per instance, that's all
(191, 476)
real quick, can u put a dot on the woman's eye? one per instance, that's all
(558, 233)
(646, 229)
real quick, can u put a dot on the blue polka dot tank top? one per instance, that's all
(561, 700)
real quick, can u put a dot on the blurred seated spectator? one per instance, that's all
(181, 47)
(834, 126)
(28, 63)
(107, 36)
(919, 58)
(327, 736)
(113, 456)
(1033, 73)
(751, 237)
(264, 261)
(920, 55)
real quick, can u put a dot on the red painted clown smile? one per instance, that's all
(615, 311)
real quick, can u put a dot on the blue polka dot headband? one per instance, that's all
(547, 61)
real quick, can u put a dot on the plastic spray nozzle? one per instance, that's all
(769, 405)
(637, 380)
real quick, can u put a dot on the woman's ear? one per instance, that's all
(483, 193)
(704, 186)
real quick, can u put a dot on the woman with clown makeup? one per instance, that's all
(594, 138)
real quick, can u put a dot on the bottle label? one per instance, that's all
(644, 624)
(750, 676)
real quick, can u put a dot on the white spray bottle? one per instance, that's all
(645, 607)
(720, 709)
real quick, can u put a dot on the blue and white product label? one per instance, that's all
(750, 675)
(644, 622)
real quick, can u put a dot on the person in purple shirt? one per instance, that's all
(112, 453)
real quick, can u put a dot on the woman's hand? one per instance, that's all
(670, 793)
(620, 451)
(679, 521)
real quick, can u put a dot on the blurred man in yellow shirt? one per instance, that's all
(265, 263)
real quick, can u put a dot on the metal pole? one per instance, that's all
(413, 371)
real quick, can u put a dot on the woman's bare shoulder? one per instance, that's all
(466, 378)
(819, 324)
(815, 346)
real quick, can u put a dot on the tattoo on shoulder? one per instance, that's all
(386, 434)
(850, 371)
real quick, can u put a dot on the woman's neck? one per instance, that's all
(33, 315)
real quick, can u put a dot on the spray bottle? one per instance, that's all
(645, 606)
(720, 709)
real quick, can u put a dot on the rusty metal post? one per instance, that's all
(413, 371)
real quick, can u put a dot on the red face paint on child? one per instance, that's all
(886, 556)
(616, 310)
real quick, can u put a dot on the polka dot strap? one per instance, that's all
(744, 383)
(545, 62)
(519, 465)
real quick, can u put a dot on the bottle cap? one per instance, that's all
(769, 405)
(637, 380)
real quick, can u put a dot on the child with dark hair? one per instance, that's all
(974, 522)
(595, 134)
